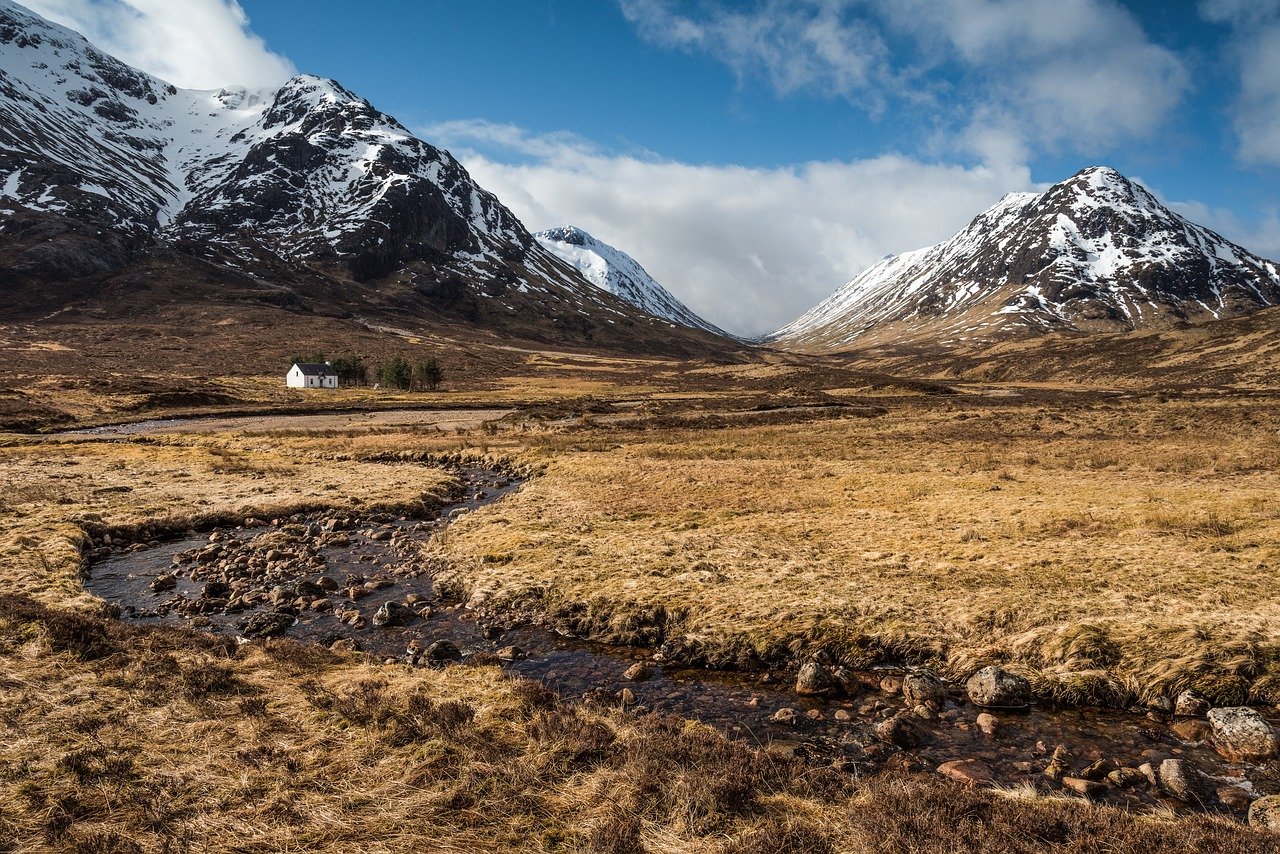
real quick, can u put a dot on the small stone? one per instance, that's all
(970, 772)
(1233, 798)
(638, 672)
(988, 723)
(996, 688)
(391, 614)
(344, 645)
(1088, 788)
(1148, 770)
(1183, 782)
(842, 715)
(899, 731)
(443, 650)
(891, 684)
(1125, 778)
(1192, 730)
(163, 582)
(923, 687)
(924, 713)
(814, 679)
(515, 653)
(1242, 735)
(1161, 704)
(754, 702)
(1265, 812)
(1098, 770)
(814, 715)
(627, 697)
(785, 715)
(1191, 704)
(1059, 764)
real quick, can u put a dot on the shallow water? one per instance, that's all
(383, 551)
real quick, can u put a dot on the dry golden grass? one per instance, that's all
(1137, 540)
(55, 489)
(129, 740)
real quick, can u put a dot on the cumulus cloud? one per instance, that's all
(196, 44)
(750, 249)
(999, 76)
(1256, 52)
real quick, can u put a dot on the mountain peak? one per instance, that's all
(618, 273)
(1097, 251)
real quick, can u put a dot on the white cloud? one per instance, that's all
(750, 249)
(196, 44)
(1255, 50)
(998, 76)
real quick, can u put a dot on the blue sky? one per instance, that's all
(754, 154)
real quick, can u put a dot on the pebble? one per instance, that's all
(988, 723)
(1087, 788)
(971, 772)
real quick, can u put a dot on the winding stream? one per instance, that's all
(328, 578)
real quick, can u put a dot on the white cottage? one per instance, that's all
(311, 375)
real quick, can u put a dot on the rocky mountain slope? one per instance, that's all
(615, 271)
(1095, 253)
(323, 202)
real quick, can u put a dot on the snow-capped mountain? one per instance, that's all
(1096, 252)
(100, 162)
(615, 271)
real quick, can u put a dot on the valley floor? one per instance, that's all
(1114, 547)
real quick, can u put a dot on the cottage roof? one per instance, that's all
(313, 369)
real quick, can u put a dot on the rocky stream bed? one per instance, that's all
(362, 583)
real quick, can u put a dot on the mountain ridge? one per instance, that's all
(613, 270)
(1096, 252)
(307, 187)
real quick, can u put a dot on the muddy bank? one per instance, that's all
(364, 582)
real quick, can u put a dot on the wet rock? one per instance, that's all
(282, 593)
(996, 688)
(215, 590)
(785, 715)
(899, 731)
(391, 614)
(1233, 798)
(1147, 770)
(512, 653)
(164, 582)
(268, 624)
(1161, 704)
(842, 715)
(1180, 780)
(443, 650)
(1126, 778)
(1059, 764)
(924, 713)
(491, 632)
(638, 672)
(970, 772)
(1088, 788)
(1192, 730)
(814, 715)
(814, 679)
(891, 684)
(1265, 812)
(1242, 735)
(924, 688)
(1191, 704)
(988, 723)
(344, 645)
(846, 680)
(309, 589)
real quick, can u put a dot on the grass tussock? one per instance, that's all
(98, 757)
